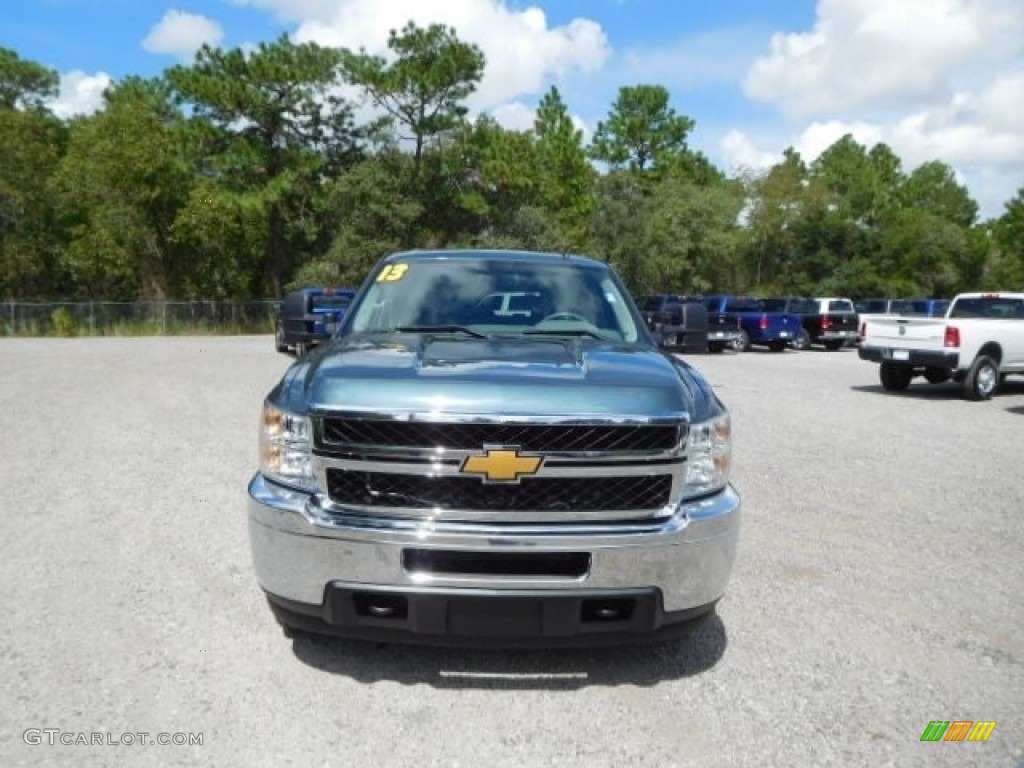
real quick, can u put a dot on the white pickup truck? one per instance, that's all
(978, 343)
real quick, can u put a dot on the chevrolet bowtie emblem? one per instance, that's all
(501, 465)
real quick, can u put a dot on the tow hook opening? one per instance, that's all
(381, 606)
(604, 610)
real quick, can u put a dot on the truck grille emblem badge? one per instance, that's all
(501, 465)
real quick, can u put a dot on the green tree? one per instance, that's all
(223, 235)
(564, 175)
(1006, 271)
(851, 176)
(376, 213)
(617, 228)
(933, 188)
(691, 238)
(120, 185)
(423, 88)
(923, 250)
(271, 129)
(499, 172)
(642, 131)
(32, 143)
(777, 201)
(25, 84)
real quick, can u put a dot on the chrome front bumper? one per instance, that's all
(298, 550)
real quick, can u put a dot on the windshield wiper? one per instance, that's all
(440, 329)
(565, 332)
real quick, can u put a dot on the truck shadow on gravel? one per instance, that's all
(921, 390)
(503, 669)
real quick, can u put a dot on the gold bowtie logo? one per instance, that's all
(504, 465)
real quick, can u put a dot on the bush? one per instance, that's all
(63, 322)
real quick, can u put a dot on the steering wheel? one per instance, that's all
(571, 316)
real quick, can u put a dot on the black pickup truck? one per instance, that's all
(685, 323)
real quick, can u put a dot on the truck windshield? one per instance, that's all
(331, 301)
(744, 304)
(497, 297)
(796, 306)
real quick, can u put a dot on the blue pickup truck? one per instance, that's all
(758, 325)
(309, 316)
(492, 451)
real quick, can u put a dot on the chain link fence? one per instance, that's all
(115, 318)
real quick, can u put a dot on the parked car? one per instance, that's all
(440, 474)
(977, 344)
(309, 316)
(794, 305)
(684, 323)
(759, 326)
(834, 325)
(676, 323)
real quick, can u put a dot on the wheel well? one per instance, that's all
(993, 350)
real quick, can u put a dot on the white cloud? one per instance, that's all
(742, 153)
(80, 93)
(514, 116)
(182, 34)
(524, 54)
(817, 137)
(934, 79)
(867, 54)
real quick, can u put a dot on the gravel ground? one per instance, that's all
(878, 586)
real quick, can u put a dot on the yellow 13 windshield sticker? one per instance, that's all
(392, 272)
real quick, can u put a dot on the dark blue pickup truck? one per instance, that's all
(758, 325)
(309, 316)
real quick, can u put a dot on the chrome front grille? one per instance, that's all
(411, 466)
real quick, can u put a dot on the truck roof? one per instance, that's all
(989, 295)
(496, 253)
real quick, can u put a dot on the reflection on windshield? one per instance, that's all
(497, 297)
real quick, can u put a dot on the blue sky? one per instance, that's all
(933, 79)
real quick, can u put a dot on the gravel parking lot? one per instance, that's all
(879, 586)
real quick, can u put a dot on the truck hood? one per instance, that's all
(512, 377)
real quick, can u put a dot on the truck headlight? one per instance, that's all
(285, 448)
(708, 456)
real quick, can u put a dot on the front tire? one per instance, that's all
(742, 344)
(982, 379)
(937, 375)
(833, 346)
(802, 340)
(895, 378)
